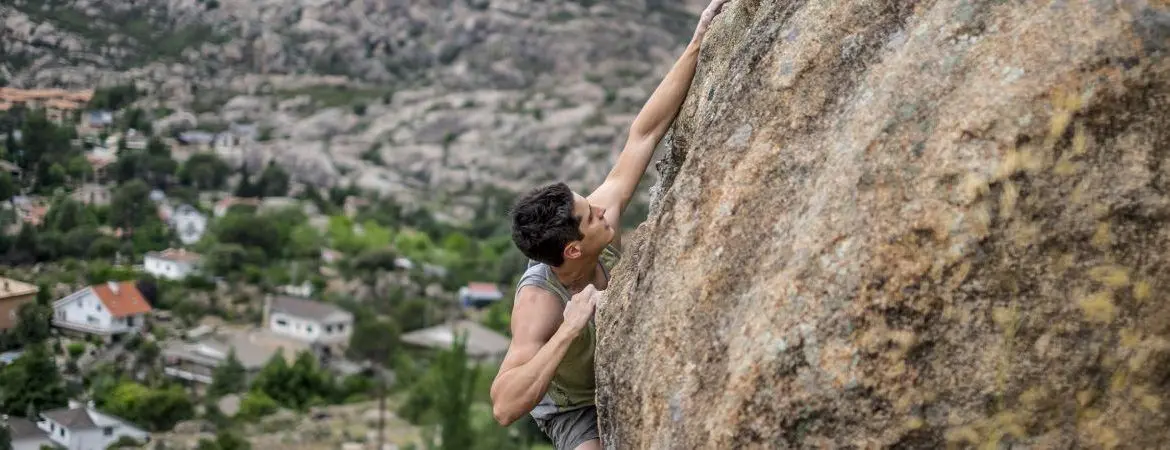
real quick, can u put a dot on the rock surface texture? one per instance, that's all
(907, 224)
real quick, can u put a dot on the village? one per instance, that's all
(186, 280)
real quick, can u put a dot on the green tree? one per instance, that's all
(34, 324)
(273, 181)
(374, 340)
(131, 205)
(299, 386)
(204, 171)
(8, 187)
(31, 384)
(5, 437)
(155, 409)
(229, 377)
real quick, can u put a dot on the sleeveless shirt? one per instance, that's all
(573, 384)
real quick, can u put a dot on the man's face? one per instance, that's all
(597, 232)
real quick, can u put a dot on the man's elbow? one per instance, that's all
(503, 416)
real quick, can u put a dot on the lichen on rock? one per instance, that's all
(918, 224)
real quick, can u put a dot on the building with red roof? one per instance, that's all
(107, 309)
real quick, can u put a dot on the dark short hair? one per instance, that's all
(543, 223)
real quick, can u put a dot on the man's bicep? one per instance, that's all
(536, 315)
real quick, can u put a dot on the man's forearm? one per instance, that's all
(519, 389)
(663, 105)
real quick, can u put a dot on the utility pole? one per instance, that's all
(381, 408)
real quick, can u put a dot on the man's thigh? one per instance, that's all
(573, 430)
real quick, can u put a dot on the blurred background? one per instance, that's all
(265, 223)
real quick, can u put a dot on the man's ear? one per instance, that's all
(573, 250)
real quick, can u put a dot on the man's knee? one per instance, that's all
(592, 444)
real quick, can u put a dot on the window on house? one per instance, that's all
(328, 329)
(309, 328)
(98, 307)
(340, 327)
(61, 432)
(108, 431)
(281, 323)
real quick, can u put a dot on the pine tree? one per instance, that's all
(31, 384)
(455, 377)
(230, 377)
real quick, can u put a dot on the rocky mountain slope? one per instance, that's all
(931, 224)
(398, 96)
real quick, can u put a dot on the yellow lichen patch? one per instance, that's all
(1099, 307)
(965, 434)
(1128, 338)
(1025, 234)
(1004, 317)
(1065, 167)
(1077, 196)
(1151, 403)
(914, 423)
(973, 187)
(1007, 199)
(1080, 139)
(1118, 381)
(1084, 397)
(1032, 160)
(1107, 437)
(1102, 238)
(1065, 262)
(1110, 275)
(1011, 163)
(1141, 290)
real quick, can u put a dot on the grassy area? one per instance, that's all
(332, 96)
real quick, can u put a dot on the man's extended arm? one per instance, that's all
(539, 341)
(651, 125)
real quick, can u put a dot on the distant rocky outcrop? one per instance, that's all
(917, 224)
(407, 98)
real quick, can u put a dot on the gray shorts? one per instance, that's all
(571, 428)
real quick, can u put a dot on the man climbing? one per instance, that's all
(573, 243)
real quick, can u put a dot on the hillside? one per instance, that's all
(934, 224)
(401, 97)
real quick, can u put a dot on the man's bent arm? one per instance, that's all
(538, 345)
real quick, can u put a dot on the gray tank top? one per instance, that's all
(573, 385)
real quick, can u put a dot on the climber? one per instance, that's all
(573, 243)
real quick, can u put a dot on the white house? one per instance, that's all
(104, 309)
(188, 223)
(327, 327)
(81, 427)
(25, 434)
(478, 295)
(174, 264)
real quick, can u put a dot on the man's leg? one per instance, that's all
(573, 430)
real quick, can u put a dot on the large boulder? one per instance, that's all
(912, 224)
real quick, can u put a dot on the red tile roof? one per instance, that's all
(127, 301)
(483, 288)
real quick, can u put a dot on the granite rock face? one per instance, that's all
(912, 224)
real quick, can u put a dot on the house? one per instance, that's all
(483, 344)
(108, 309)
(196, 361)
(478, 295)
(25, 435)
(325, 327)
(223, 206)
(188, 223)
(91, 194)
(81, 427)
(97, 119)
(13, 295)
(173, 264)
